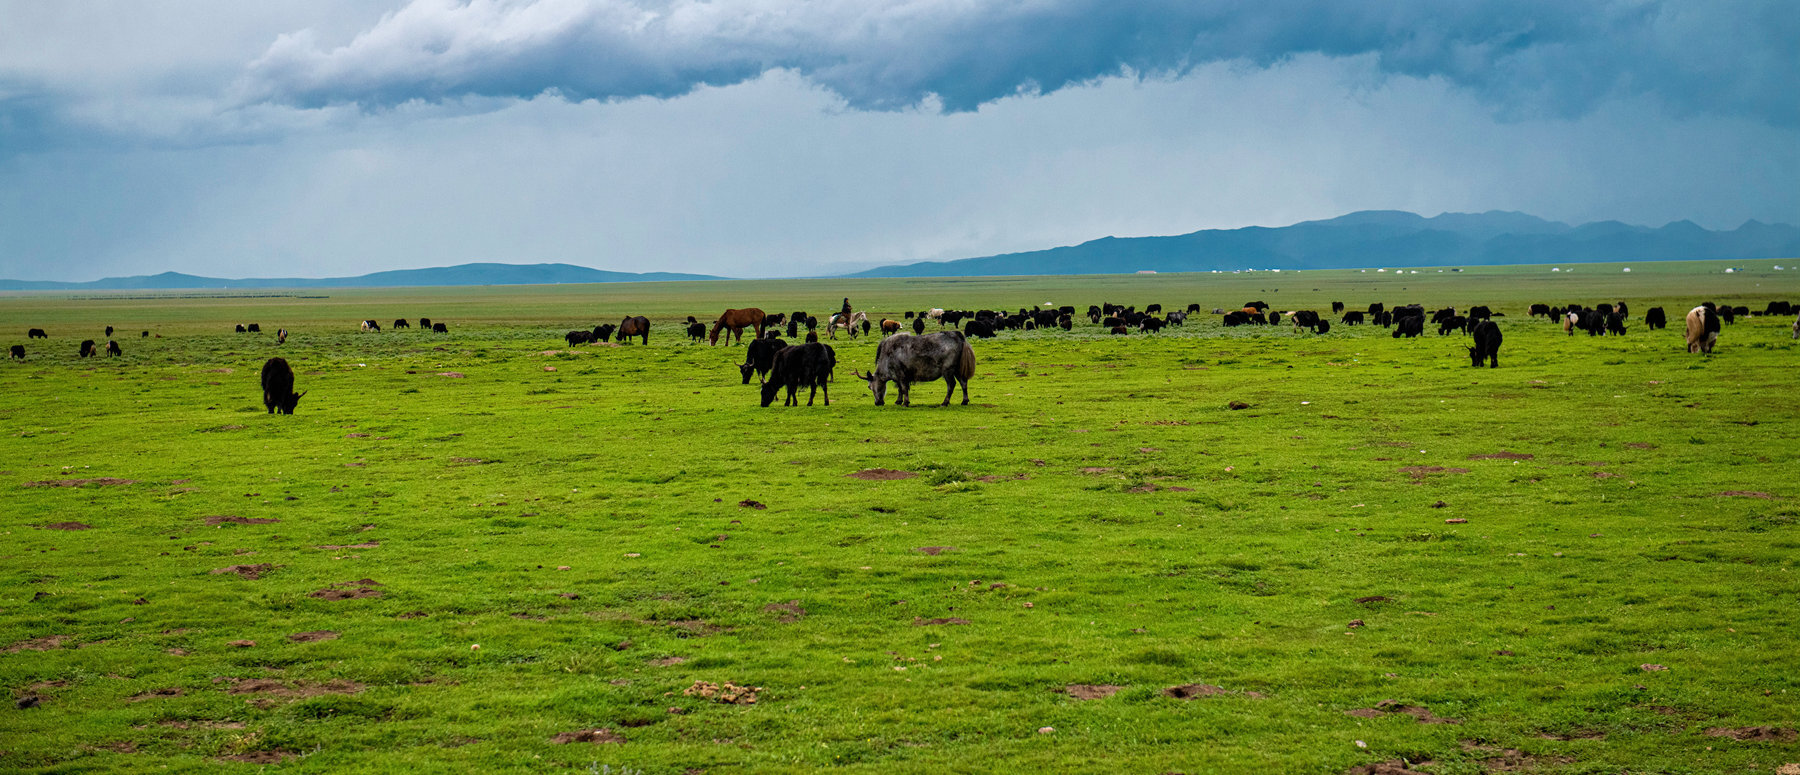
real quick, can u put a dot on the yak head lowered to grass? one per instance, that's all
(278, 386)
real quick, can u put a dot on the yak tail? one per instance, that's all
(966, 368)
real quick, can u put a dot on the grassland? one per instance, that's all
(611, 525)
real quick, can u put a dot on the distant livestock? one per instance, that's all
(1409, 326)
(979, 329)
(636, 325)
(109, 330)
(578, 337)
(1654, 318)
(736, 320)
(253, 328)
(1352, 318)
(1702, 329)
(439, 328)
(370, 325)
(425, 324)
(240, 329)
(280, 335)
(759, 357)
(401, 323)
(697, 332)
(18, 352)
(1487, 344)
(918, 325)
(278, 386)
(88, 350)
(112, 349)
(889, 327)
(36, 333)
(905, 359)
(803, 365)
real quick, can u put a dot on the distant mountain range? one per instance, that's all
(463, 274)
(1369, 239)
(1379, 238)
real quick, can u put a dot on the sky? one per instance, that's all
(757, 138)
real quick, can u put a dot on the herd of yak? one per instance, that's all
(946, 354)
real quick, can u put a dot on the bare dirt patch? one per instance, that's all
(1386, 707)
(695, 627)
(1754, 734)
(1374, 599)
(346, 590)
(947, 620)
(105, 481)
(1503, 455)
(201, 724)
(1094, 469)
(273, 756)
(45, 643)
(790, 611)
(750, 504)
(451, 374)
(728, 693)
(1579, 734)
(588, 736)
(1090, 691)
(1746, 494)
(1419, 472)
(66, 526)
(313, 636)
(1639, 445)
(236, 520)
(369, 545)
(934, 550)
(1389, 767)
(668, 661)
(1191, 691)
(252, 572)
(880, 474)
(1495, 759)
(172, 691)
(468, 461)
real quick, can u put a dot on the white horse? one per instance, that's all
(847, 322)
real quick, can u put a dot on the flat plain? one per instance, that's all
(487, 550)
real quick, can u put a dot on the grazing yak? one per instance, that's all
(736, 320)
(401, 323)
(1487, 344)
(918, 325)
(1409, 326)
(979, 329)
(18, 352)
(253, 328)
(603, 333)
(280, 335)
(278, 386)
(889, 327)
(1655, 318)
(425, 324)
(88, 349)
(636, 325)
(439, 328)
(240, 329)
(803, 365)
(759, 357)
(1352, 318)
(1702, 329)
(112, 349)
(109, 330)
(905, 359)
(36, 333)
(697, 332)
(370, 325)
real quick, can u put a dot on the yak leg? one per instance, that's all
(965, 387)
(951, 380)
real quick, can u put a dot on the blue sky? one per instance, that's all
(758, 138)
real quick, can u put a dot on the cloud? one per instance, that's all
(1525, 58)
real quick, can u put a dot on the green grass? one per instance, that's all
(1140, 533)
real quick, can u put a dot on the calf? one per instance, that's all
(602, 333)
(803, 365)
(889, 327)
(18, 352)
(88, 349)
(112, 349)
(1487, 345)
(759, 357)
(278, 386)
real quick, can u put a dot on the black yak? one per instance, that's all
(112, 348)
(278, 386)
(759, 357)
(1487, 344)
(803, 365)
(88, 349)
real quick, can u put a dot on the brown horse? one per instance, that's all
(637, 325)
(737, 320)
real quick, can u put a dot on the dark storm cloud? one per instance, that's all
(1523, 57)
